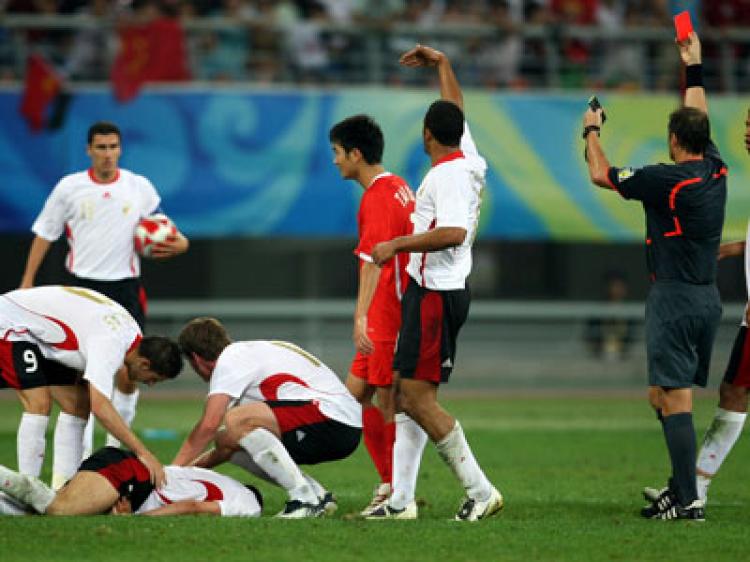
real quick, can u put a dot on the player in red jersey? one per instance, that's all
(384, 213)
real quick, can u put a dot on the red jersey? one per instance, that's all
(385, 213)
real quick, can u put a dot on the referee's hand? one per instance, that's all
(747, 131)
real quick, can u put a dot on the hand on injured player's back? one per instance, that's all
(155, 469)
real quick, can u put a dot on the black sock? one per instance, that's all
(659, 415)
(680, 435)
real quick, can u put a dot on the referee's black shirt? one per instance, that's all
(684, 206)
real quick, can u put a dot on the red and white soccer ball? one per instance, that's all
(153, 230)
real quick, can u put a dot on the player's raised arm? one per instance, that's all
(422, 55)
(596, 159)
(690, 53)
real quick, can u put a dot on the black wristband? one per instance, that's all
(590, 128)
(694, 76)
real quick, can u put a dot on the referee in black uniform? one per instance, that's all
(684, 204)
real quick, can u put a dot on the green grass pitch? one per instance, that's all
(571, 470)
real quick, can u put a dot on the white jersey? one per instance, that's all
(99, 221)
(256, 371)
(77, 327)
(186, 483)
(449, 196)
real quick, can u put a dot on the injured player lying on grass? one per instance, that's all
(115, 481)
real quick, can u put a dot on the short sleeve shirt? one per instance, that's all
(684, 205)
(449, 196)
(385, 213)
(98, 220)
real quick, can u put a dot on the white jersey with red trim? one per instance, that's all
(449, 196)
(99, 220)
(77, 327)
(256, 371)
(188, 483)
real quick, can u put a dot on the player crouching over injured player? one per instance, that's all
(292, 409)
(115, 481)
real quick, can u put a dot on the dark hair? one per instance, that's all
(205, 337)
(445, 121)
(691, 129)
(103, 128)
(258, 495)
(360, 132)
(164, 355)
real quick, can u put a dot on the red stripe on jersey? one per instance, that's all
(269, 388)
(448, 157)
(71, 253)
(143, 299)
(7, 368)
(293, 417)
(93, 177)
(136, 342)
(213, 493)
(70, 343)
(431, 337)
(673, 203)
(722, 172)
(424, 254)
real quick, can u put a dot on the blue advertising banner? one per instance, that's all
(258, 162)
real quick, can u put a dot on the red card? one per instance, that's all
(683, 25)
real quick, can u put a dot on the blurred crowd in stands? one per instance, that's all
(495, 43)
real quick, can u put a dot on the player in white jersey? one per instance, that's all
(436, 302)
(98, 210)
(44, 327)
(281, 407)
(113, 480)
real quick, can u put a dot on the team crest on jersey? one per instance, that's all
(625, 174)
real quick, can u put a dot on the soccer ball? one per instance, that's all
(152, 230)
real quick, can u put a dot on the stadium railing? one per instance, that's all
(505, 345)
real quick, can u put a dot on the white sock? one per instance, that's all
(701, 484)
(721, 436)
(68, 451)
(456, 453)
(125, 404)
(9, 506)
(28, 490)
(407, 455)
(271, 456)
(317, 487)
(88, 437)
(31, 443)
(246, 462)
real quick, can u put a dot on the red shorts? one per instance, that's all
(310, 436)
(377, 368)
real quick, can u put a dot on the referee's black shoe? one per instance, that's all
(664, 501)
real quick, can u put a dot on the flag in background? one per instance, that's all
(42, 87)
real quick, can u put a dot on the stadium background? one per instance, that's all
(241, 158)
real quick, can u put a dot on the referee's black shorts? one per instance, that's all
(430, 322)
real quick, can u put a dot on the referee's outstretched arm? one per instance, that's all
(690, 52)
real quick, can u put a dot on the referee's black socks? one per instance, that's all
(680, 435)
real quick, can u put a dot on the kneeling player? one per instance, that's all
(292, 410)
(113, 478)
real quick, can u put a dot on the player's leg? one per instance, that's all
(372, 419)
(69, 431)
(10, 506)
(27, 490)
(255, 429)
(30, 439)
(87, 493)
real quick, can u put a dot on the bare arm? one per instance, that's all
(422, 55)
(731, 249)
(205, 430)
(103, 410)
(690, 53)
(39, 248)
(186, 507)
(596, 159)
(430, 241)
(369, 275)
(173, 246)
